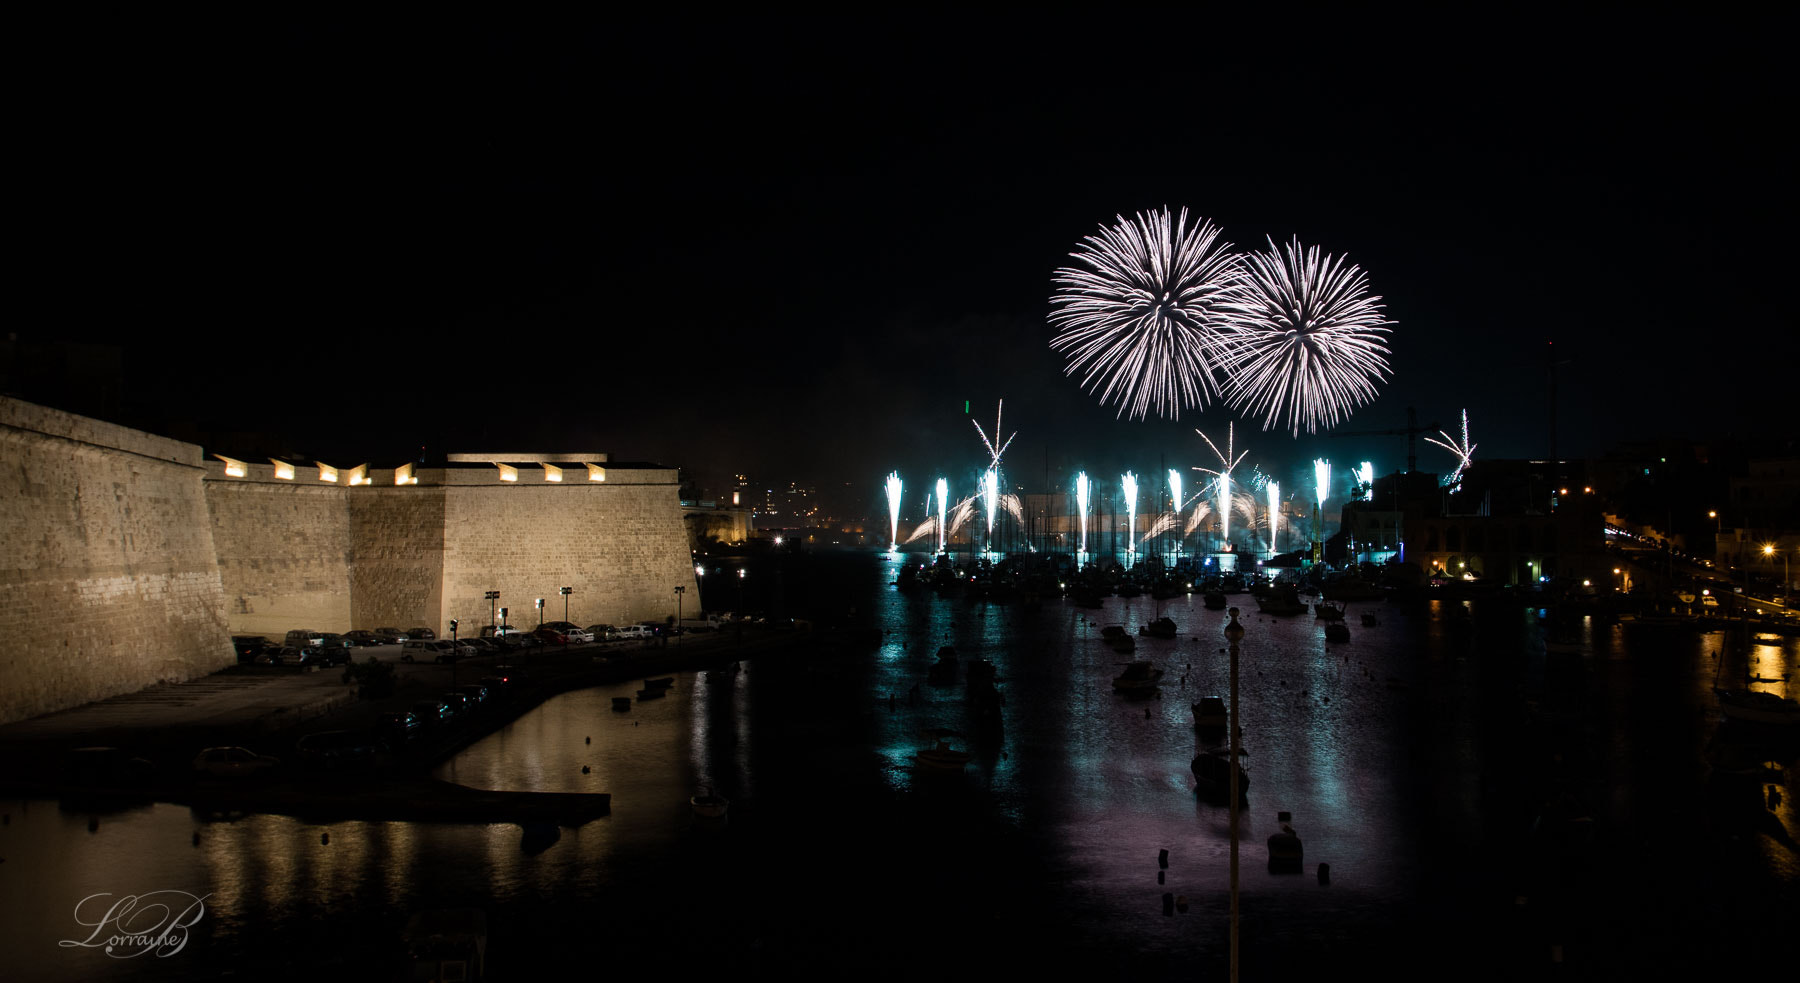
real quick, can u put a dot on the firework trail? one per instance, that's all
(926, 528)
(993, 452)
(1175, 490)
(1146, 321)
(1163, 524)
(1015, 508)
(943, 496)
(1274, 490)
(1321, 479)
(1307, 342)
(1244, 503)
(1227, 464)
(893, 494)
(990, 498)
(1201, 511)
(1365, 474)
(1128, 484)
(1465, 451)
(1082, 489)
(961, 514)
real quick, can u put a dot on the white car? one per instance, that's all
(577, 634)
(232, 762)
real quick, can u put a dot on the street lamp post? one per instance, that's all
(540, 610)
(493, 598)
(1769, 551)
(1234, 633)
(678, 592)
(566, 591)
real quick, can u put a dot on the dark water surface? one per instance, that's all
(1416, 761)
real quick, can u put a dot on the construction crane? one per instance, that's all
(1411, 431)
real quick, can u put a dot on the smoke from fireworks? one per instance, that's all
(1201, 511)
(1365, 474)
(1145, 322)
(1465, 451)
(1306, 343)
(960, 515)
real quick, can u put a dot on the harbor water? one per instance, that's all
(1487, 808)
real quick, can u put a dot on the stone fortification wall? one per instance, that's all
(621, 544)
(396, 557)
(107, 560)
(283, 551)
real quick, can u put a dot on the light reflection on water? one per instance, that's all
(1405, 756)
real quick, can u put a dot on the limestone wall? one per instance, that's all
(107, 560)
(621, 545)
(396, 557)
(283, 552)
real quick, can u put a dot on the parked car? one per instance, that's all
(397, 727)
(336, 749)
(431, 713)
(634, 632)
(457, 702)
(562, 626)
(492, 631)
(525, 640)
(334, 650)
(550, 636)
(476, 693)
(390, 636)
(248, 646)
(424, 633)
(484, 646)
(601, 633)
(289, 655)
(497, 686)
(419, 650)
(362, 637)
(577, 636)
(233, 762)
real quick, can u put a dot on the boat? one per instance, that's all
(621, 702)
(1128, 589)
(1160, 628)
(1281, 601)
(1286, 856)
(1118, 638)
(1326, 611)
(1138, 676)
(1337, 631)
(1212, 774)
(1755, 706)
(943, 671)
(942, 758)
(709, 804)
(663, 683)
(1210, 713)
(1214, 600)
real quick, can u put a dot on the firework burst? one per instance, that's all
(1307, 342)
(1227, 463)
(1145, 322)
(1464, 451)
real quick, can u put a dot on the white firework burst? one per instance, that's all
(1307, 344)
(1464, 451)
(1145, 322)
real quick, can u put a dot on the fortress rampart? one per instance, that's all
(128, 559)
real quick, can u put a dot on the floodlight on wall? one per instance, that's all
(283, 469)
(551, 472)
(326, 471)
(507, 472)
(233, 466)
(359, 475)
(596, 473)
(403, 474)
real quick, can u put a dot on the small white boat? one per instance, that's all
(1337, 631)
(1326, 611)
(1754, 706)
(942, 758)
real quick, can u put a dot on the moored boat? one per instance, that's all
(1160, 628)
(942, 758)
(1337, 631)
(1326, 611)
(1210, 713)
(1214, 600)
(1754, 706)
(1212, 774)
(1137, 676)
(1281, 601)
(709, 804)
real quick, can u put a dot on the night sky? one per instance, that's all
(795, 247)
